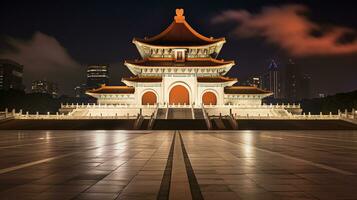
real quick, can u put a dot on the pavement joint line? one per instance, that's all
(30, 144)
(320, 138)
(194, 186)
(322, 166)
(318, 143)
(180, 185)
(10, 169)
(29, 164)
(44, 138)
(59, 141)
(166, 178)
(293, 135)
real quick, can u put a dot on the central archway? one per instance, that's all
(149, 98)
(179, 95)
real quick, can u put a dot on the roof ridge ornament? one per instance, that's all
(179, 18)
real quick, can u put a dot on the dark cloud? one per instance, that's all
(44, 57)
(288, 27)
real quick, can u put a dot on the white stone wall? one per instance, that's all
(243, 99)
(217, 89)
(188, 81)
(142, 88)
(115, 98)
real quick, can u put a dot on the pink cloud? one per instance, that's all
(287, 27)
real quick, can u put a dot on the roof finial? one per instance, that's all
(179, 15)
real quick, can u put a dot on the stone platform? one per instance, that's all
(178, 165)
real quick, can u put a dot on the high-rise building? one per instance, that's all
(255, 81)
(44, 87)
(297, 84)
(305, 90)
(97, 75)
(80, 91)
(11, 74)
(272, 81)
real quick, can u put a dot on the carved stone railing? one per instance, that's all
(207, 118)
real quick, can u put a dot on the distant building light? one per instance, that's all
(321, 95)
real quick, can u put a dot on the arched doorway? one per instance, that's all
(209, 98)
(149, 98)
(179, 95)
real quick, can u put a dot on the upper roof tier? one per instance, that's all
(179, 34)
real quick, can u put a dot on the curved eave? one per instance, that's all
(220, 64)
(142, 43)
(136, 68)
(261, 95)
(254, 91)
(194, 37)
(133, 83)
(226, 83)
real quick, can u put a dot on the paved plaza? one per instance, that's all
(178, 165)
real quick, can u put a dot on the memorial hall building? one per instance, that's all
(179, 66)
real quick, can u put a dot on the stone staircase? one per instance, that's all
(161, 113)
(198, 113)
(180, 113)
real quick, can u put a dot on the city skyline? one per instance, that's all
(65, 38)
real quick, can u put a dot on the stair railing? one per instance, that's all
(206, 117)
(153, 117)
(193, 112)
(233, 121)
(167, 111)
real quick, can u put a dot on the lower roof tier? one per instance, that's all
(156, 79)
(245, 90)
(131, 90)
(169, 62)
(104, 89)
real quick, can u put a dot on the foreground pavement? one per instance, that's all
(178, 165)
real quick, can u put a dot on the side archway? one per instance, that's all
(149, 98)
(209, 98)
(179, 94)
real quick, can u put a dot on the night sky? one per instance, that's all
(56, 40)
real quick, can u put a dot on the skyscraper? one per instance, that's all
(97, 75)
(80, 91)
(272, 80)
(297, 84)
(254, 81)
(44, 87)
(11, 74)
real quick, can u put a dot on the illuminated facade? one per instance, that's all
(179, 66)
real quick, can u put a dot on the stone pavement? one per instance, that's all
(178, 165)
